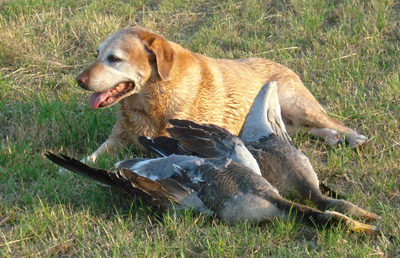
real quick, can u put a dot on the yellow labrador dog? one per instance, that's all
(154, 80)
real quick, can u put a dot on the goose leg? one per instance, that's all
(321, 218)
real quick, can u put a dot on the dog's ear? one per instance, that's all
(162, 50)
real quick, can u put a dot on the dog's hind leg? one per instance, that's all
(330, 136)
(299, 111)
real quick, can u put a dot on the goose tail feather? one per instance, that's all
(99, 175)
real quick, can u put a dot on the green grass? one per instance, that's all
(345, 51)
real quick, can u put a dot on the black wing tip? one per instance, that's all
(80, 168)
(190, 127)
(60, 158)
(143, 140)
(182, 123)
(50, 154)
(188, 123)
(55, 158)
(161, 146)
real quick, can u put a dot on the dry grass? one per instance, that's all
(345, 51)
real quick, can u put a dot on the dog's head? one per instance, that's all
(126, 61)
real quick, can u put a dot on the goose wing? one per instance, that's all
(206, 140)
(99, 175)
(211, 141)
(264, 117)
(160, 193)
(162, 146)
(201, 140)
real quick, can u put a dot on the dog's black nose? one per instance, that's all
(82, 79)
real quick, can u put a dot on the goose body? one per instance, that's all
(264, 135)
(209, 186)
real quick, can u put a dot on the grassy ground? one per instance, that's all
(345, 51)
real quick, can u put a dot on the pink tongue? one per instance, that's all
(96, 98)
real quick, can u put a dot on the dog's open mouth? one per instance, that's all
(109, 97)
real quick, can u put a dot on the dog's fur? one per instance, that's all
(161, 80)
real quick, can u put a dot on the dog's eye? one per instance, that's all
(113, 58)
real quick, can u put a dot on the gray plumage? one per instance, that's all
(264, 118)
(229, 189)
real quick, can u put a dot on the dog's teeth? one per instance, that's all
(117, 87)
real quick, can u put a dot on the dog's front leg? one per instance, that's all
(110, 146)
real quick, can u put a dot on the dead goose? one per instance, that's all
(229, 189)
(264, 134)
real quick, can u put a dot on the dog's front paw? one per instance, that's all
(62, 171)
